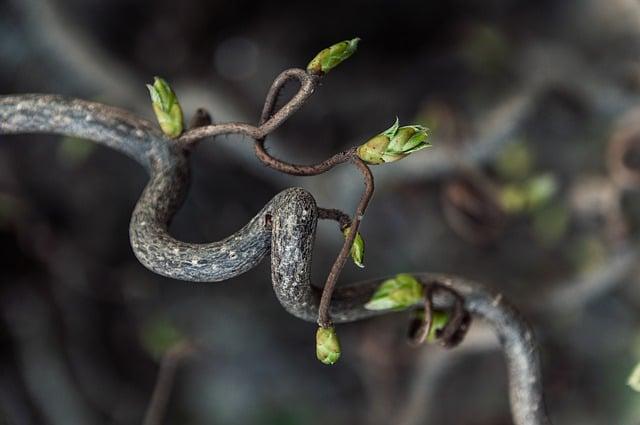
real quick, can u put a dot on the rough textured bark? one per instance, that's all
(285, 227)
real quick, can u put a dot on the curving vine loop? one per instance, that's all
(284, 228)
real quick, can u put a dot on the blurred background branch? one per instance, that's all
(554, 77)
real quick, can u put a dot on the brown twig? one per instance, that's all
(308, 84)
(156, 410)
(419, 335)
(271, 119)
(324, 319)
(338, 216)
(455, 329)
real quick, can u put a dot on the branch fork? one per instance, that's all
(285, 228)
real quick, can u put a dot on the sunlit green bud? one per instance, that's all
(327, 345)
(513, 198)
(439, 320)
(166, 107)
(529, 195)
(397, 293)
(515, 161)
(394, 144)
(159, 335)
(540, 189)
(372, 151)
(332, 56)
(634, 379)
(357, 249)
(551, 223)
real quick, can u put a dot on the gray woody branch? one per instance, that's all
(285, 228)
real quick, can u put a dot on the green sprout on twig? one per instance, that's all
(394, 143)
(327, 345)
(397, 293)
(332, 56)
(357, 249)
(439, 320)
(634, 379)
(166, 107)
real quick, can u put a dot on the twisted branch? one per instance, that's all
(285, 227)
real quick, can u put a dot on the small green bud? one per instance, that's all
(439, 320)
(551, 223)
(513, 198)
(332, 56)
(634, 379)
(357, 249)
(327, 345)
(515, 162)
(394, 144)
(166, 107)
(529, 195)
(159, 335)
(540, 190)
(397, 293)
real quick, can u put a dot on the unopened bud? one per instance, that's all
(332, 56)
(439, 320)
(357, 248)
(394, 144)
(634, 379)
(166, 107)
(327, 345)
(398, 293)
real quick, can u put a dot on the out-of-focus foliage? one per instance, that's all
(523, 99)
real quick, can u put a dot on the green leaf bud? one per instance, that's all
(357, 249)
(439, 320)
(159, 335)
(332, 56)
(394, 144)
(634, 379)
(327, 345)
(530, 195)
(166, 107)
(540, 190)
(396, 293)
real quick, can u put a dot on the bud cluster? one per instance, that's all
(166, 107)
(394, 144)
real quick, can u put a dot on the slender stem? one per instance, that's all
(338, 216)
(306, 81)
(308, 84)
(193, 135)
(157, 408)
(324, 318)
(422, 332)
(302, 170)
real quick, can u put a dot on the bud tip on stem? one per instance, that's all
(393, 144)
(327, 345)
(332, 56)
(166, 107)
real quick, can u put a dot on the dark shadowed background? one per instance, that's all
(527, 101)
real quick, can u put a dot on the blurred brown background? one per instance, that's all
(530, 187)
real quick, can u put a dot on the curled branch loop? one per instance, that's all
(285, 227)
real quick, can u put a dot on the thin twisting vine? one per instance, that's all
(285, 228)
